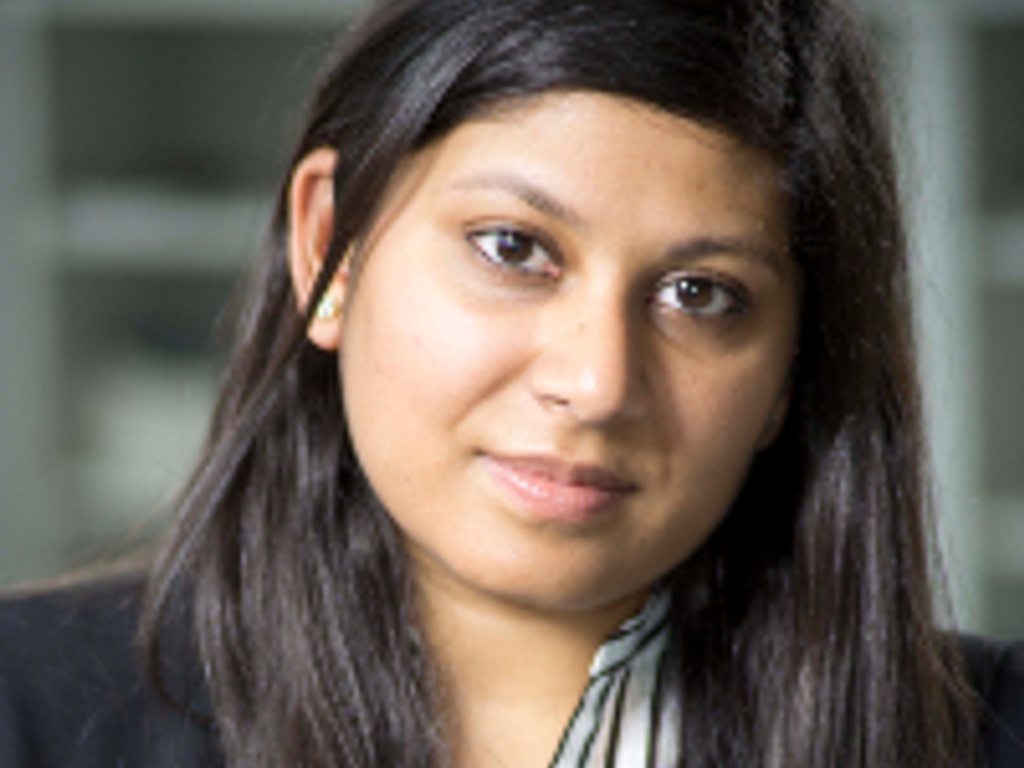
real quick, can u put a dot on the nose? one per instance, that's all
(588, 361)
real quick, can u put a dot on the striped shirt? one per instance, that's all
(625, 718)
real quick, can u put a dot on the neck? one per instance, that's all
(509, 668)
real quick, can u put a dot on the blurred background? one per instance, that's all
(140, 145)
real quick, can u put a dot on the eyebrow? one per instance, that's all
(745, 247)
(688, 250)
(529, 193)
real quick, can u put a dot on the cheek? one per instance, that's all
(719, 420)
(739, 411)
(416, 361)
(743, 390)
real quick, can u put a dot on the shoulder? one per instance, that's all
(66, 666)
(996, 670)
(72, 694)
(84, 632)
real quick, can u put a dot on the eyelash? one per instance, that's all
(478, 239)
(728, 299)
(734, 296)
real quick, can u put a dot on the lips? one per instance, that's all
(554, 489)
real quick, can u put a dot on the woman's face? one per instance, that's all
(570, 336)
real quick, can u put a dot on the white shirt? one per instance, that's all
(626, 718)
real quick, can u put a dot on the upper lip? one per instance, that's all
(568, 471)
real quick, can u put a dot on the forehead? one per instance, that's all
(615, 122)
(605, 162)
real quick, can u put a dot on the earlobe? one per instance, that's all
(310, 232)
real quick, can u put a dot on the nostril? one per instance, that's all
(557, 403)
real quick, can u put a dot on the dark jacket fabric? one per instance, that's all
(72, 695)
(997, 673)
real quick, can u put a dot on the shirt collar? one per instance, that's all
(634, 634)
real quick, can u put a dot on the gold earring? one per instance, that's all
(328, 308)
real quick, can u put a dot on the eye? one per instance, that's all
(702, 297)
(512, 249)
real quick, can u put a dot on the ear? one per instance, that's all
(310, 229)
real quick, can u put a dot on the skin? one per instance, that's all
(571, 336)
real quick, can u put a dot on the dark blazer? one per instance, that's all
(997, 673)
(71, 694)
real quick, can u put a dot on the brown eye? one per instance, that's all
(699, 296)
(511, 249)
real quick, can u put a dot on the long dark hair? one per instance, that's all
(804, 633)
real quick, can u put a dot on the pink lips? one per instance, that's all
(558, 490)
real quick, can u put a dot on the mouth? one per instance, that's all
(558, 490)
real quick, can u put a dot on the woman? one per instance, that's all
(573, 421)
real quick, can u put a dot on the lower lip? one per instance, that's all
(549, 499)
